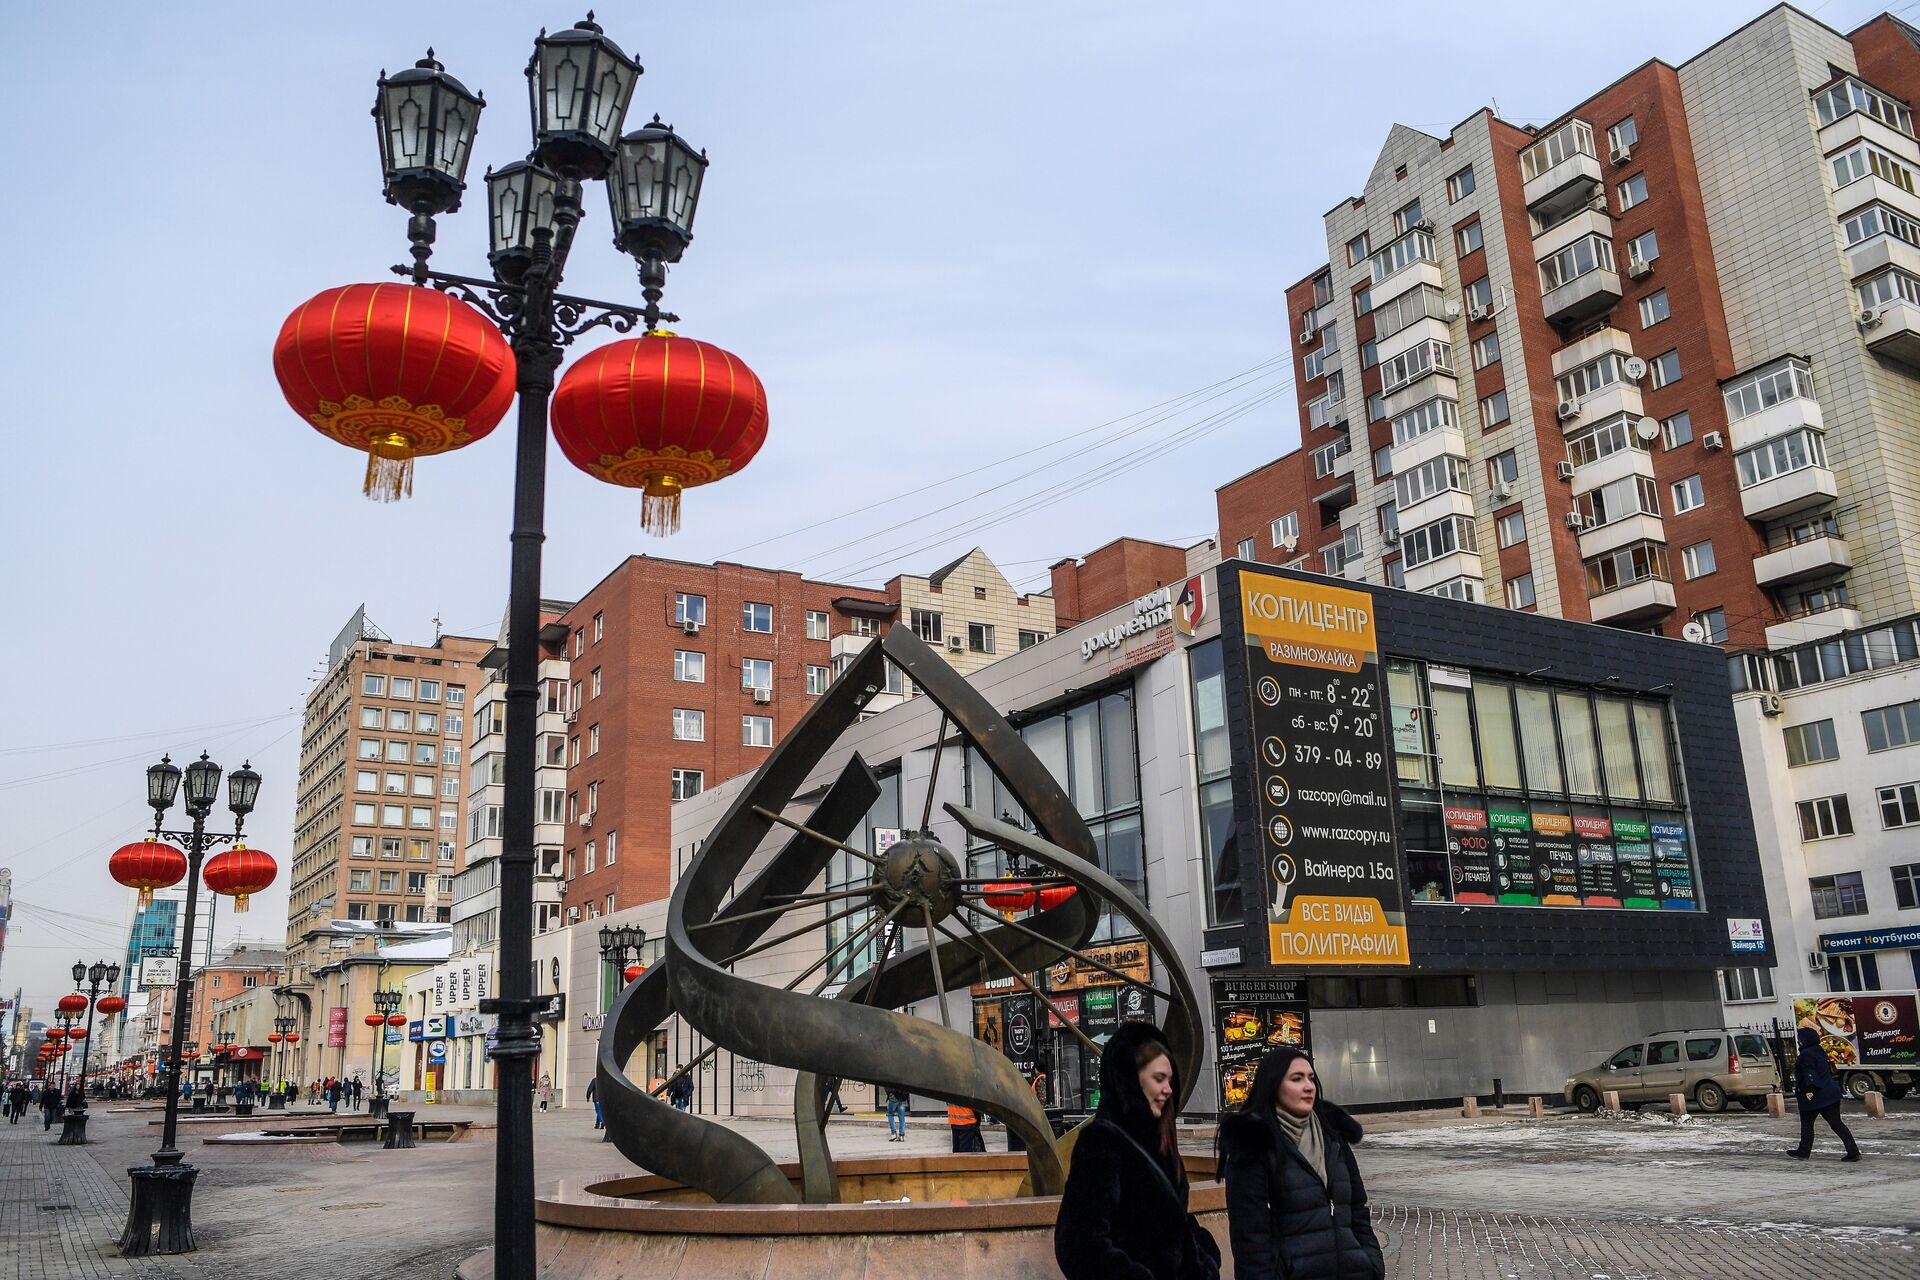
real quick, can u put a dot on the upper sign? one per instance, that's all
(159, 971)
(1324, 774)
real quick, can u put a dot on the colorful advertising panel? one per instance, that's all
(1470, 855)
(1324, 775)
(1250, 1017)
(1867, 1029)
(1516, 874)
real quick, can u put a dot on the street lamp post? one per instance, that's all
(277, 1100)
(580, 84)
(620, 954)
(162, 1193)
(386, 1004)
(98, 976)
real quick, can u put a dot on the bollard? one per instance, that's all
(1777, 1105)
(1470, 1108)
(1499, 1094)
(1537, 1108)
(1876, 1105)
(1610, 1099)
(1677, 1103)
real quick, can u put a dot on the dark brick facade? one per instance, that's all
(1125, 569)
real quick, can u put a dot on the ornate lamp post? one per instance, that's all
(386, 1014)
(579, 84)
(99, 976)
(282, 1027)
(162, 1193)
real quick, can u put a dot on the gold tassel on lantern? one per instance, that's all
(239, 902)
(389, 467)
(660, 508)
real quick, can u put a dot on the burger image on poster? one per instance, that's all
(1284, 873)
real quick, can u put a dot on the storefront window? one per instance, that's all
(1576, 744)
(1453, 738)
(1213, 761)
(844, 871)
(1499, 750)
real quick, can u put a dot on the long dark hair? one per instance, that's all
(1167, 1137)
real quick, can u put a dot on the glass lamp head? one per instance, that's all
(426, 121)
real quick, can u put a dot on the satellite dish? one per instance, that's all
(1636, 368)
(1694, 631)
(1649, 429)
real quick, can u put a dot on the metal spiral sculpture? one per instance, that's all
(917, 886)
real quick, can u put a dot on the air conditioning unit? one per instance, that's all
(1564, 470)
(1622, 153)
(1635, 368)
(1639, 270)
(1599, 202)
(573, 913)
(953, 644)
(763, 696)
(1770, 704)
(586, 822)
(691, 628)
(1425, 224)
(1393, 537)
(568, 717)
(1869, 317)
(1817, 961)
(1713, 440)
(1481, 313)
(1576, 521)
(1569, 409)
(1502, 491)
(1306, 336)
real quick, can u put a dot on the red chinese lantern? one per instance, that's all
(396, 371)
(239, 873)
(375, 1019)
(273, 1037)
(78, 1033)
(56, 1034)
(147, 865)
(75, 1003)
(293, 1037)
(396, 1019)
(1054, 894)
(1007, 898)
(662, 414)
(110, 1005)
(632, 972)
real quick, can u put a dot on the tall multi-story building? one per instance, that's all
(377, 816)
(1656, 364)
(154, 931)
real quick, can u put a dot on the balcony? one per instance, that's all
(1436, 506)
(1583, 297)
(1641, 601)
(1617, 397)
(1814, 558)
(1785, 494)
(1813, 626)
(1615, 466)
(1563, 187)
(1615, 534)
(1457, 564)
(1427, 447)
(1795, 413)
(1895, 331)
(1591, 348)
(1587, 222)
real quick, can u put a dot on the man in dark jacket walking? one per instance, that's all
(1818, 1092)
(1296, 1207)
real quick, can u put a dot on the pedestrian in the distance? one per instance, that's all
(545, 1090)
(1818, 1092)
(593, 1096)
(964, 1124)
(896, 1114)
(1296, 1207)
(1124, 1213)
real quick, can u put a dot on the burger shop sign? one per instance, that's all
(1150, 612)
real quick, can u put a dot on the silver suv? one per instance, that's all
(1709, 1066)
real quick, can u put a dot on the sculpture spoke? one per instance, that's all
(852, 944)
(1021, 978)
(1064, 949)
(789, 936)
(822, 837)
(939, 978)
(851, 948)
(933, 776)
(797, 902)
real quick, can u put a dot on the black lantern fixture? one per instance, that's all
(426, 121)
(203, 786)
(519, 214)
(579, 83)
(163, 782)
(653, 192)
(243, 785)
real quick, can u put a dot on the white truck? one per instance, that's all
(1872, 1038)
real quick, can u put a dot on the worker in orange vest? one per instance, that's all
(964, 1124)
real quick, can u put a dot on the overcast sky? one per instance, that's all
(944, 235)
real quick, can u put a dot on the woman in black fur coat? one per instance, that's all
(1124, 1215)
(1296, 1207)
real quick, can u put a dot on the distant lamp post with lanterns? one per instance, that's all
(160, 1213)
(621, 951)
(97, 977)
(281, 1038)
(386, 1014)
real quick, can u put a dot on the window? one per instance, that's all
(689, 608)
(1841, 895)
(1460, 185)
(1493, 409)
(1632, 192)
(423, 785)
(1327, 456)
(365, 814)
(429, 691)
(599, 627)
(592, 858)
(1865, 159)
(687, 783)
(593, 740)
(689, 725)
(1665, 368)
(1622, 136)
(1583, 380)
(1428, 415)
(1603, 440)
(1890, 727)
(1511, 529)
(1644, 247)
(1503, 468)
(1654, 308)
(1396, 573)
(1879, 220)
(579, 641)
(390, 847)
(1906, 886)
(1780, 456)
(756, 617)
(1575, 137)
(1697, 561)
(1428, 357)
(1358, 250)
(1243, 550)
(400, 721)
(1486, 350)
(1849, 95)
(393, 815)
(1746, 984)
(1825, 818)
(1436, 475)
(360, 881)
(1028, 639)
(816, 624)
(929, 625)
(370, 718)
(1589, 253)
(1776, 383)
(1387, 517)
(818, 678)
(689, 667)
(1520, 592)
(1415, 246)
(1362, 300)
(756, 731)
(375, 686)
(366, 780)
(756, 673)
(1618, 500)
(1899, 806)
(1636, 562)
(1628, 1057)
(1810, 743)
(426, 722)
(356, 911)
(979, 637)
(1383, 462)
(1441, 538)
(1688, 495)
(1369, 354)
(1285, 529)
(1677, 430)
(1470, 238)
(1405, 220)
(424, 753)
(1477, 294)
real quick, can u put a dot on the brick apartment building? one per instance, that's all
(233, 970)
(1652, 363)
(377, 814)
(1124, 569)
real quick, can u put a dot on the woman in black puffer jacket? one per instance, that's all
(1296, 1208)
(1124, 1215)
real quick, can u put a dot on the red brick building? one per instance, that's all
(1124, 569)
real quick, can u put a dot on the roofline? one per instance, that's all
(1262, 467)
(716, 564)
